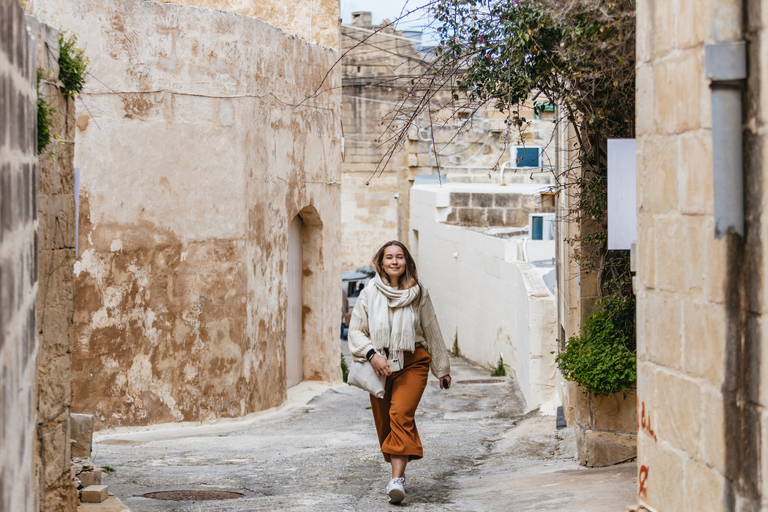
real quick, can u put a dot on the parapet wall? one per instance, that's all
(490, 302)
(18, 260)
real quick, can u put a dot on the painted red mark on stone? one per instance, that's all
(644, 421)
(642, 477)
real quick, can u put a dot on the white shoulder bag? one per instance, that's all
(363, 376)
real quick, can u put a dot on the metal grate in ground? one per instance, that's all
(192, 495)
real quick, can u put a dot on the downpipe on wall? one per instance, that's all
(726, 67)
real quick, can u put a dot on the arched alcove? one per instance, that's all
(305, 334)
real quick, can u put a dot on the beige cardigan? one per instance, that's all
(427, 333)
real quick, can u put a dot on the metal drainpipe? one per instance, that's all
(726, 67)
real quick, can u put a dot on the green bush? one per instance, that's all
(602, 358)
(73, 64)
(344, 368)
(44, 122)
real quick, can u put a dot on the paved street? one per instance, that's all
(319, 453)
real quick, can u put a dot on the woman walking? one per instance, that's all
(395, 327)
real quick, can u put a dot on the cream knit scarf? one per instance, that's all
(401, 337)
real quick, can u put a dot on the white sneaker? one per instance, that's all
(396, 490)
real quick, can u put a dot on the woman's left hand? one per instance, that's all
(445, 382)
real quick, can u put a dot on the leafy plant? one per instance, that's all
(44, 123)
(498, 370)
(344, 368)
(108, 469)
(73, 64)
(602, 357)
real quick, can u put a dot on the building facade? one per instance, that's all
(201, 143)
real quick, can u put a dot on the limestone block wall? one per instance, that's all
(196, 152)
(697, 450)
(488, 299)
(18, 269)
(55, 307)
(501, 207)
(377, 65)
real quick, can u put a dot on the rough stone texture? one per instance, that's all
(199, 148)
(56, 255)
(315, 21)
(82, 435)
(18, 268)
(700, 300)
(376, 188)
(605, 427)
(483, 209)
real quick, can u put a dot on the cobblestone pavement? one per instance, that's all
(321, 454)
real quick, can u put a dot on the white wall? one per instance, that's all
(485, 296)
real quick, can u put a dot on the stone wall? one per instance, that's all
(18, 269)
(700, 311)
(55, 308)
(196, 151)
(484, 208)
(375, 195)
(495, 303)
(314, 20)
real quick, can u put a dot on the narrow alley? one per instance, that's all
(319, 453)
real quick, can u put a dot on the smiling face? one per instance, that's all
(393, 263)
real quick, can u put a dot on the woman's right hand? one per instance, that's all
(380, 364)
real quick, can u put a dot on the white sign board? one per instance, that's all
(622, 194)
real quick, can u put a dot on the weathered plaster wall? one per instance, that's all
(694, 452)
(314, 20)
(55, 309)
(18, 268)
(488, 299)
(195, 156)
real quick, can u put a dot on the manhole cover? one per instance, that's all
(481, 381)
(192, 495)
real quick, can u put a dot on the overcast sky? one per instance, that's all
(391, 9)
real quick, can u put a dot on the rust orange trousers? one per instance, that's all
(394, 414)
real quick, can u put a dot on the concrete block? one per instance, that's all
(677, 412)
(695, 171)
(608, 448)
(664, 471)
(657, 175)
(94, 494)
(481, 200)
(89, 478)
(712, 445)
(704, 488)
(82, 434)
(644, 118)
(646, 250)
(506, 200)
(660, 323)
(664, 30)
(459, 199)
(472, 216)
(704, 341)
(671, 246)
(496, 217)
